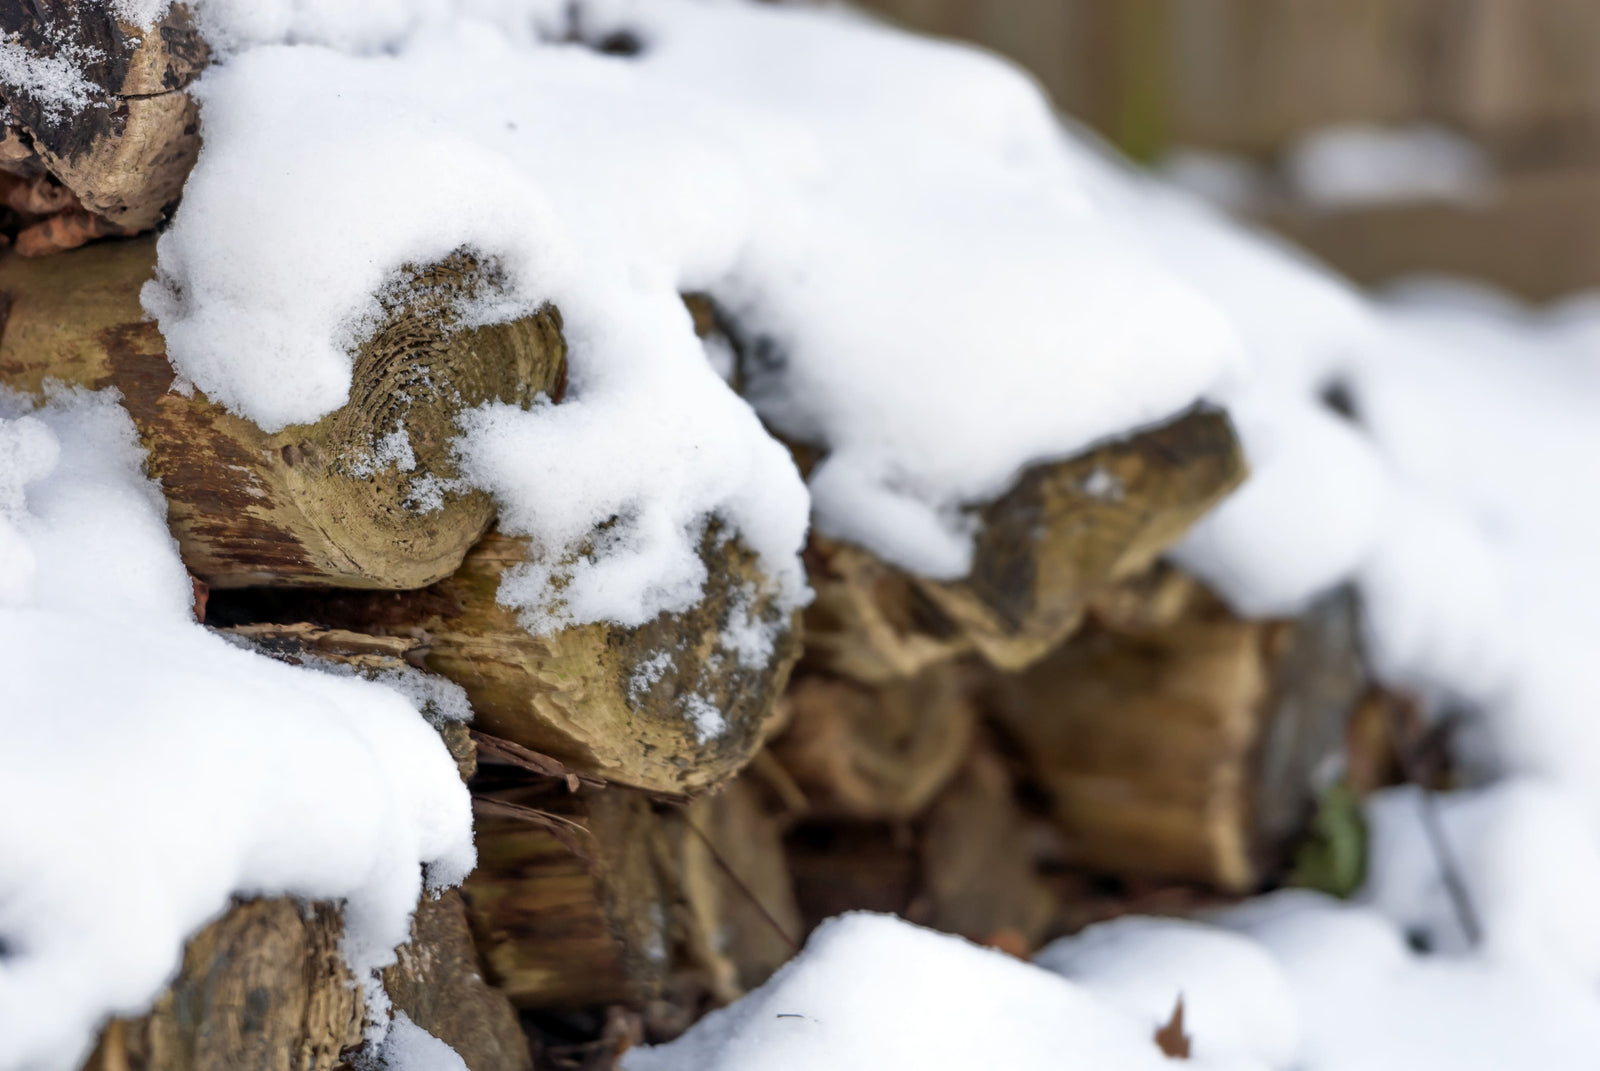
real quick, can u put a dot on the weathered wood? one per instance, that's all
(1182, 742)
(311, 504)
(127, 144)
(1064, 530)
(437, 980)
(625, 705)
(561, 929)
(876, 752)
(737, 910)
(265, 988)
(979, 872)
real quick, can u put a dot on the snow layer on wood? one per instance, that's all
(149, 770)
(900, 231)
(408, 1047)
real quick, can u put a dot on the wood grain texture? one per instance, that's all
(308, 504)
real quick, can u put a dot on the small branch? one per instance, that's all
(722, 864)
(1455, 886)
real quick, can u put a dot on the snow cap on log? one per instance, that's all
(368, 496)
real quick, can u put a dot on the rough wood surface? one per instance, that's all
(1183, 742)
(979, 872)
(876, 752)
(265, 988)
(1063, 531)
(619, 704)
(737, 914)
(127, 146)
(575, 919)
(309, 504)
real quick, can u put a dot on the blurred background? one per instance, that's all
(1389, 137)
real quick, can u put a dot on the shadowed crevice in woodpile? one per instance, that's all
(1063, 531)
(645, 904)
(876, 752)
(365, 497)
(124, 143)
(623, 704)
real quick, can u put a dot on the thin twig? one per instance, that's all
(1455, 886)
(722, 864)
(562, 828)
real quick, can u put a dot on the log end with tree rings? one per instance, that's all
(368, 496)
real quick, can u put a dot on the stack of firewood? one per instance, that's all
(1073, 730)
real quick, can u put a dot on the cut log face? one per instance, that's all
(319, 504)
(1064, 531)
(1184, 747)
(880, 752)
(127, 147)
(265, 988)
(1068, 528)
(870, 621)
(666, 707)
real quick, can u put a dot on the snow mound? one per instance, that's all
(872, 992)
(151, 770)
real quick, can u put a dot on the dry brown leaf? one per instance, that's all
(1171, 1039)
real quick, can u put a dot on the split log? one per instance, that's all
(626, 705)
(881, 752)
(980, 875)
(567, 903)
(1064, 530)
(1178, 741)
(265, 988)
(125, 145)
(597, 897)
(739, 917)
(311, 504)
(967, 864)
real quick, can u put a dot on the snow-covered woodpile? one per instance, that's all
(514, 517)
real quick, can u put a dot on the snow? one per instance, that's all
(56, 83)
(1351, 165)
(408, 1047)
(807, 171)
(871, 992)
(932, 283)
(151, 769)
(1237, 1002)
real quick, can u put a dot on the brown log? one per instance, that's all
(876, 752)
(368, 656)
(126, 149)
(738, 914)
(609, 702)
(1178, 741)
(557, 928)
(305, 505)
(1063, 531)
(980, 873)
(265, 988)
(599, 897)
